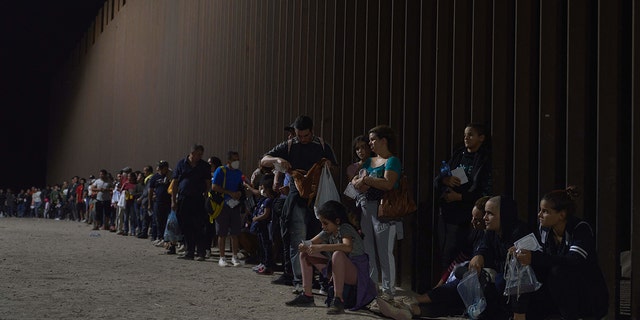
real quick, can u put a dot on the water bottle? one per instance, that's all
(445, 171)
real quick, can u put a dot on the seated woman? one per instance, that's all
(443, 300)
(337, 249)
(573, 284)
(503, 228)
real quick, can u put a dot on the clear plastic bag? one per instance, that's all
(472, 294)
(172, 232)
(519, 279)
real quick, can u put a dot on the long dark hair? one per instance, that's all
(354, 144)
(563, 200)
(333, 210)
(385, 132)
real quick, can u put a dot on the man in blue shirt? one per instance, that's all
(228, 181)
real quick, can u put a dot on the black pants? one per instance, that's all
(453, 239)
(161, 214)
(192, 218)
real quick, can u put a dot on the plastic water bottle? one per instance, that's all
(445, 171)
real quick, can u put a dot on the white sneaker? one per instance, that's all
(258, 267)
(235, 262)
(297, 289)
(222, 262)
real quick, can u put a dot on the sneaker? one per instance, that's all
(283, 279)
(258, 267)
(405, 302)
(392, 311)
(186, 257)
(171, 250)
(207, 254)
(265, 271)
(386, 297)
(235, 262)
(337, 307)
(301, 301)
(374, 307)
(200, 258)
(297, 289)
(222, 262)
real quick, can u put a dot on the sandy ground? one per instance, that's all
(63, 270)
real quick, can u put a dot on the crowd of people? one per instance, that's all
(341, 249)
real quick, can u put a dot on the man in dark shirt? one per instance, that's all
(192, 182)
(301, 152)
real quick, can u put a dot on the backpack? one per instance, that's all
(216, 200)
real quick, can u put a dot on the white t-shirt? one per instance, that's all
(36, 196)
(102, 196)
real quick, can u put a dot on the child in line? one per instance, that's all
(260, 225)
(337, 250)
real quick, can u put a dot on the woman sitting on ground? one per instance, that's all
(573, 284)
(443, 300)
(337, 249)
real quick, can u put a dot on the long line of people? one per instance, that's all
(342, 249)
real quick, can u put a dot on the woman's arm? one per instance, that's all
(385, 183)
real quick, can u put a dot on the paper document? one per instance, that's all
(528, 242)
(459, 172)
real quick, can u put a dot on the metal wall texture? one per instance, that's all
(556, 81)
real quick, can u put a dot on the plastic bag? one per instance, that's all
(327, 190)
(172, 232)
(519, 279)
(472, 294)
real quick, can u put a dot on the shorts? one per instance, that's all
(229, 222)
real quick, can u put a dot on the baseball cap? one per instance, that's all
(162, 164)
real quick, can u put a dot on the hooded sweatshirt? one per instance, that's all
(494, 246)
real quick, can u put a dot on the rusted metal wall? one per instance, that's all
(554, 80)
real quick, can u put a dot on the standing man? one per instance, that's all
(192, 182)
(71, 198)
(228, 181)
(103, 188)
(301, 152)
(159, 201)
(142, 202)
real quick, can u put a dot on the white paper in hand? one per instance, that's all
(459, 172)
(528, 242)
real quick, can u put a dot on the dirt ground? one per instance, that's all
(64, 270)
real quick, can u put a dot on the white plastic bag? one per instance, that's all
(327, 190)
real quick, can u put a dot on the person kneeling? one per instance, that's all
(337, 250)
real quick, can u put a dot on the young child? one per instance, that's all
(260, 221)
(338, 250)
